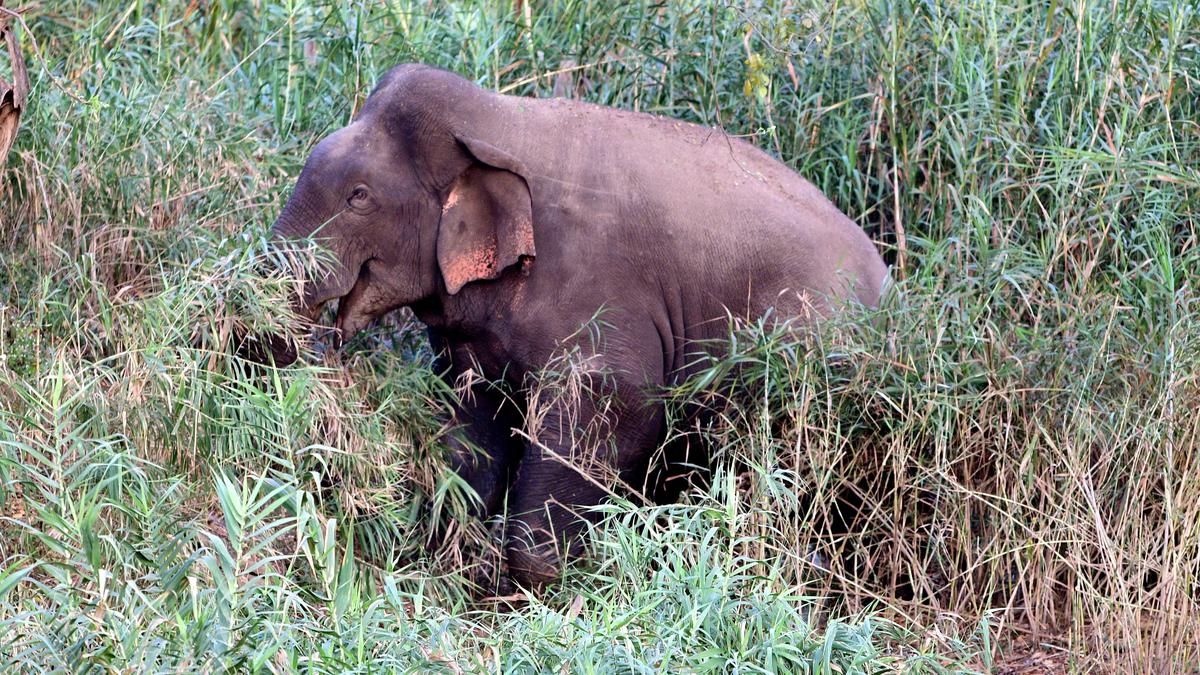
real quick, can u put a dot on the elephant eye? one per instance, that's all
(359, 194)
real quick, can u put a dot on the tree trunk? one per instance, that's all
(12, 94)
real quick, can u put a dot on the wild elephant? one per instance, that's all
(506, 223)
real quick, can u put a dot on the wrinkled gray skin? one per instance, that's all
(506, 223)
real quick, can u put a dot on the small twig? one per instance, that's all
(583, 472)
(554, 73)
(505, 599)
(249, 56)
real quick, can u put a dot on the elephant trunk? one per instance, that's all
(293, 223)
(297, 222)
(299, 215)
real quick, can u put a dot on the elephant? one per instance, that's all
(506, 223)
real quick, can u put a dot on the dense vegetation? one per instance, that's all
(1004, 454)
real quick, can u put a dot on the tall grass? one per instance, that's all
(1004, 454)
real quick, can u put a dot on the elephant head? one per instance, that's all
(413, 199)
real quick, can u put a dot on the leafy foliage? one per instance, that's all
(1006, 446)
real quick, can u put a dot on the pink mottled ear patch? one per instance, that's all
(486, 226)
(468, 266)
(524, 237)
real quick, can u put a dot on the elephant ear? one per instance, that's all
(487, 219)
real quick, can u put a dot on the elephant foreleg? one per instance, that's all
(483, 447)
(483, 450)
(573, 461)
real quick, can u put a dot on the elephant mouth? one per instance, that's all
(353, 314)
(353, 310)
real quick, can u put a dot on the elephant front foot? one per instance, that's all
(532, 568)
(506, 595)
(520, 568)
